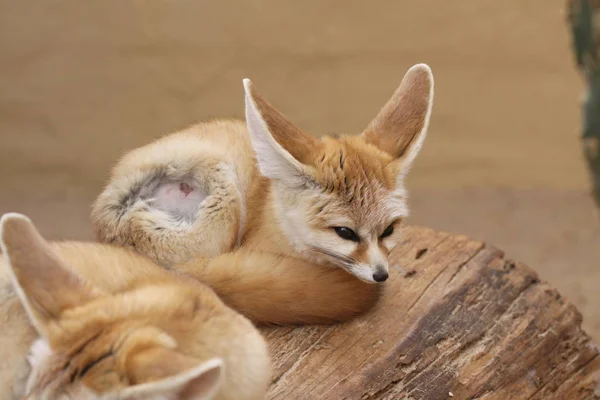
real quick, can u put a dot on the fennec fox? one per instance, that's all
(114, 325)
(285, 227)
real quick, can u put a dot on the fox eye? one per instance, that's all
(388, 231)
(92, 364)
(346, 233)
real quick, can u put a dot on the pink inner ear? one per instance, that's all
(180, 199)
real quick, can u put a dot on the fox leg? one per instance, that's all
(172, 214)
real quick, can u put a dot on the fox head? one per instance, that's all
(94, 345)
(341, 199)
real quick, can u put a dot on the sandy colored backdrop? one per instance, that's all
(82, 82)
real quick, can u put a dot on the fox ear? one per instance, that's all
(45, 285)
(401, 126)
(160, 370)
(283, 151)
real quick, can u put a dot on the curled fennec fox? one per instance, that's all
(285, 227)
(113, 325)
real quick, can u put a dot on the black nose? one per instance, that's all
(380, 274)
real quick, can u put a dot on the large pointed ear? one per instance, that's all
(164, 371)
(283, 151)
(401, 126)
(44, 284)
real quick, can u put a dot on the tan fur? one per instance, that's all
(393, 129)
(118, 326)
(263, 237)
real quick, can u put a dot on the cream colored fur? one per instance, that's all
(107, 323)
(255, 210)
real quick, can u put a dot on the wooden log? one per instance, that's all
(457, 320)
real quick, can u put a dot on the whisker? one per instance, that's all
(348, 261)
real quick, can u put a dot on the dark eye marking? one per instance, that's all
(346, 233)
(91, 364)
(388, 231)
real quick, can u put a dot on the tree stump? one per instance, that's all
(457, 320)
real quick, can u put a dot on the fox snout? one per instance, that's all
(368, 263)
(370, 274)
(375, 263)
(380, 274)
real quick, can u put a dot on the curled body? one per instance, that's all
(96, 322)
(287, 228)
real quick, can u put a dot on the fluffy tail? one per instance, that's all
(172, 201)
(273, 289)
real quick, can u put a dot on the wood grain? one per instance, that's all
(457, 320)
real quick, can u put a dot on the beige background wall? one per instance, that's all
(82, 82)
